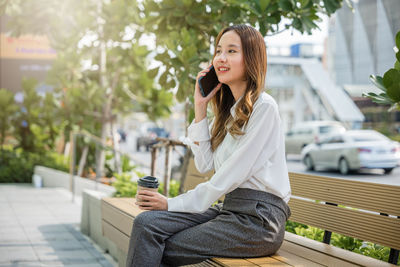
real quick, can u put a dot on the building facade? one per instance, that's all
(360, 43)
(22, 57)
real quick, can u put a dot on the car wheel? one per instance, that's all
(344, 166)
(309, 163)
(388, 170)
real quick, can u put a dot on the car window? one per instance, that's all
(336, 139)
(368, 137)
(329, 129)
(325, 140)
(303, 131)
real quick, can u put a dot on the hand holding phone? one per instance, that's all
(208, 82)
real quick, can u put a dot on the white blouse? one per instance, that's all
(255, 160)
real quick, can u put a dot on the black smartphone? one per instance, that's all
(208, 82)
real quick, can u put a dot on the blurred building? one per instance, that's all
(304, 91)
(360, 43)
(25, 56)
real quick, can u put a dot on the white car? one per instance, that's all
(353, 150)
(307, 132)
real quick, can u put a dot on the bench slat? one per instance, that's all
(207, 263)
(117, 217)
(325, 249)
(120, 239)
(356, 194)
(378, 229)
(267, 261)
(316, 256)
(234, 262)
(351, 200)
(125, 204)
(294, 260)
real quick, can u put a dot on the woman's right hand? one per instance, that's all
(200, 102)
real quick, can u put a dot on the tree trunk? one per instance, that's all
(82, 161)
(117, 156)
(100, 154)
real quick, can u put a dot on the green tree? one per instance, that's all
(389, 83)
(8, 109)
(27, 116)
(104, 35)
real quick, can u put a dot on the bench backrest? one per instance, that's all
(363, 210)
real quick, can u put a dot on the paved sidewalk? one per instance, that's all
(40, 227)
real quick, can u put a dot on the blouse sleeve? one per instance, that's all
(203, 155)
(261, 139)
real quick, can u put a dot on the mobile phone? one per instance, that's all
(208, 82)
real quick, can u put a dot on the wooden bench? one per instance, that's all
(371, 213)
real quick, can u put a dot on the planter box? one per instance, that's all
(91, 222)
(55, 178)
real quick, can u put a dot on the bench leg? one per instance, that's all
(393, 256)
(327, 237)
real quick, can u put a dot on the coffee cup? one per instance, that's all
(147, 183)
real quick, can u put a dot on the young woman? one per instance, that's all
(245, 147)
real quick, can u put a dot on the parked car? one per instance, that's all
(148, 137)
(307, 132)
(122, 135)
(353, 150)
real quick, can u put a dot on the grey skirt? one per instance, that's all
(249, 223)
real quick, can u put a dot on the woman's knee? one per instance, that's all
(145, 218)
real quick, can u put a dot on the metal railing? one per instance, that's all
(168, 144)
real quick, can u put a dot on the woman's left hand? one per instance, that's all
(156, 201)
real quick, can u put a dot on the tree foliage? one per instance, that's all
(185, 29)
(8, 109)
(389, 84)
(76, 29)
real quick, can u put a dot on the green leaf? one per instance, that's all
(397, 65)
(305, 3)
(286, 5)
(391, 80)
(398, 56)
(152, 73)
(264, 4)
(394, 92)
(378, 82)
(390, 77)
(369, 94)
(398, 41)
(171, 84)
(331, 6)
(308, 24)
(163, 78)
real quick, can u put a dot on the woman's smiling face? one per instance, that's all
(229, 60)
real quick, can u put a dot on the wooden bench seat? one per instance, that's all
(317, 201)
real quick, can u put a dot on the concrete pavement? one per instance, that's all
(40, 227)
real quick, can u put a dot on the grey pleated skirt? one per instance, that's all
(249, 223)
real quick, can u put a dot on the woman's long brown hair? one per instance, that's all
(255, 60)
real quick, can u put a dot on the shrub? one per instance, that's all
(345, 242)
(16, 165)
(125, 187)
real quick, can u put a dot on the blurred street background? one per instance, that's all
(87, 87)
